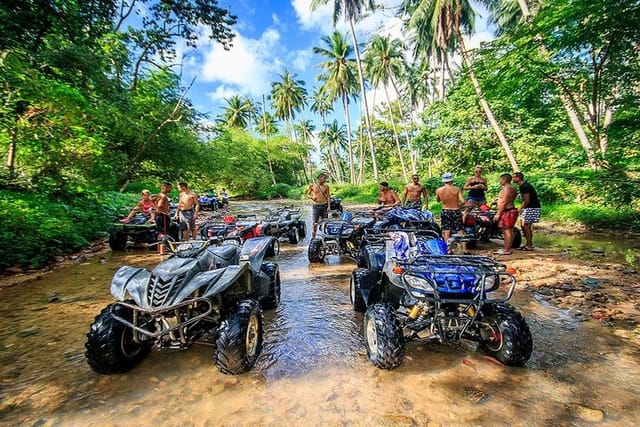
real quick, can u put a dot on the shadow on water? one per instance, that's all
(313, 369)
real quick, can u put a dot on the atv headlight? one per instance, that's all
(490, 283)
(418, 283)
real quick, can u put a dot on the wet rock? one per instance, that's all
(545, 291)
(580, 316)
(53, 297)
(14, 270)
(586, 414)
(28, 332)
(58, 259)
(154, 379)
(577, 294)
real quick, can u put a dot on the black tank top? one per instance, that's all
(476, 192)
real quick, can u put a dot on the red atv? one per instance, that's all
(479, 225)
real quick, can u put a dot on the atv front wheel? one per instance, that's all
(358, 277)
(294, 235)
(383, 336)
(316, 253)
(505, 334)
(303, 229)
(240, 340)
(272, 300)
(117, 240)
(110, 348)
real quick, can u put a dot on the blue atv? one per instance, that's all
(209, 202)
(343, 236)
(399, 218)
(413, 291)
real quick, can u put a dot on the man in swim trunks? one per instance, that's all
(413, 193)
(507, 214)
(451, 198)
(319, 193)
(529, 209)
(162, 210)
(188, 209)
(476, 185)
(387, 198)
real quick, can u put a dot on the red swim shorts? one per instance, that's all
(508, 219)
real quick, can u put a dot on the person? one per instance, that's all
(387, 198)
(413, 194)
(476, 187)
(529, 209)
(144, 206)
(451, 198)
(507, 214)
(224, 196)
(320, 195)
(188, 209)
(162, 201)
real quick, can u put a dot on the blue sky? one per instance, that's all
(271, 37)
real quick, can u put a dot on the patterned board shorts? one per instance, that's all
(451, 219)
(417, 204)
(530, 215)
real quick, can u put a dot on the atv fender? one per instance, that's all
(130, 279)
(237, 276)
(213, 282)
(254, 251)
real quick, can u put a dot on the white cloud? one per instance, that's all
(320, 19)
(246, 68)
(301, 59)
(223, 92)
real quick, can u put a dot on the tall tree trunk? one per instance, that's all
(363, 93)
(352, 171)
(266, 140)
(297, 143)
(361, 147)
(567, 102)
(485, 105)
(412, 156)
(395, 133)
(11, 155)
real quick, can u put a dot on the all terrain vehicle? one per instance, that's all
(138, 231)
(479, 226)
(208, 201)
(412, 291)
(286, 223)
(415, 220)
(339, 237)
(203, 293)
(240, 227)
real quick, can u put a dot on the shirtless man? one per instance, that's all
(476, 185)
(507, 214)
(451, 198)
(188, 209)
(319, 193)
(387, 198)
(161, 201)
(413, 193)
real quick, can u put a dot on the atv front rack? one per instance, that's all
(481, 267)
(161, 312)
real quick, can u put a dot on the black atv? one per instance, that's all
(286, 223)
(413, 291)
(137, 230)
(342, 236)
(203, 293)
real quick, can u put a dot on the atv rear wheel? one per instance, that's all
(358, 276)
(110, 348)
(383, 336)
(517, 238)
(294, 235)
(117, 240)
(505, 334)
(316, 252)
(302, 227)
(472, 243)
(240, 340)
(272, 300)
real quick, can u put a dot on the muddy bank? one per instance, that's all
(313, 369)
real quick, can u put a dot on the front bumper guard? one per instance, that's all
(159, 312)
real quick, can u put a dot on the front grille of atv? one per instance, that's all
(159, 291)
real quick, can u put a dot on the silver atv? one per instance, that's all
(205, 292)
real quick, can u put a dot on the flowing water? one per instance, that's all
(313, 369)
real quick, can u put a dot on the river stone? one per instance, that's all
(577, 294)
(587, 414)
(15, 269)
(28, 332)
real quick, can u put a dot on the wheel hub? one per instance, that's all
(251, 340)
(372, 337)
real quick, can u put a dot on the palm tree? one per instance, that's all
(506, 14)
(288, 97)
(352, 10)
(321, 104)
(339, 80)
(440, 22)
(304, 130)
(266, 125)
(332, 140)
(238, 112)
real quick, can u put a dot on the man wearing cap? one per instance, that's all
(319, 193)
(452, 199)
(413, 193)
